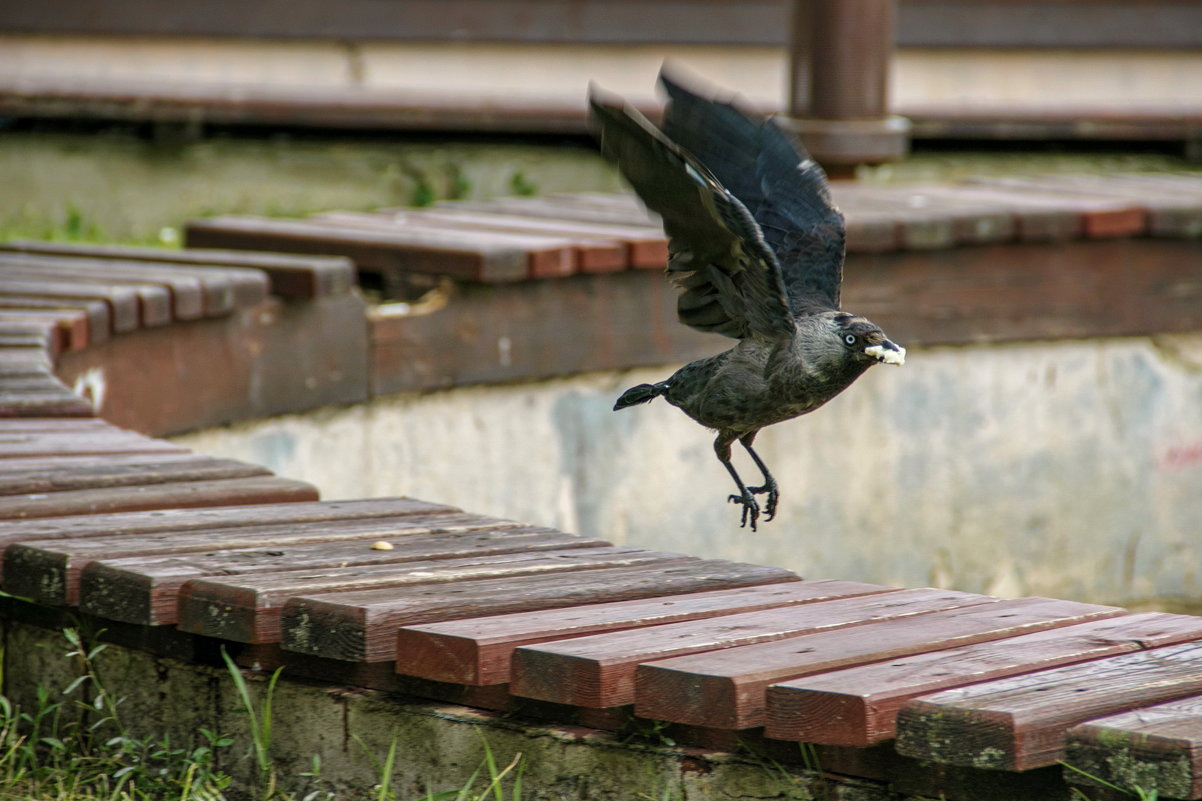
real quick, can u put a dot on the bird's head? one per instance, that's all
(865, 341)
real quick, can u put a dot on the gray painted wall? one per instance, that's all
(1071, 469)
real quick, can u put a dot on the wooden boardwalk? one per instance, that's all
(932, 692)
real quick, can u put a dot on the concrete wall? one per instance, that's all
(1070, 469)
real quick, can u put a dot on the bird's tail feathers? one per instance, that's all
(643, 393)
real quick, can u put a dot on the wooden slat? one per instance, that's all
(70, 327)
(1020, 722)
(122, 300)
(1033, 219)
(363, 625)
(247, 608)
(1100, 216)
(477, 651)
(291, 276)
(144, 589)
(1155, 748)
(174, 523)
(109, 471)
(559, 208)
(154, 298)
(726, 689)
(549, 255)
(598, 671)
(19, 332)
(858, 706)
(34, 424)
(55, 443)
(1173, 211)
(34, 362)
(43, 402)
(49, 569)
(97, 313)
(371, 250)
(914, 228)
(174, 495)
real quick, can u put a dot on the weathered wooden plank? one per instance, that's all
(598, 671)
(645, 246)
(42, 403)
(1173, 211)
(97, 313)
(726, 689)
(119, 470)
(180, 494)
(36, 424)
(247, 608)
(122, 300)
(1100, 216)
(916, 227)
(363, 625)
(372, 250)
(154, 299)
(145, 590)
(16, 362)
(174, 523)
(71, 327)
(1157, 749)
(477, 650)
(1019, 723)
(291, 276)
(26, 333)
(551, 255)
(1031, 220)
(49, 570)
(559, 208)
(858, 706)
(55, 443)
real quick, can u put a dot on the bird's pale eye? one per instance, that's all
(851, 339)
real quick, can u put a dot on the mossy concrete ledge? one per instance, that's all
(351, 730)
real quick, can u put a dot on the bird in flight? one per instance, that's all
(756, 248)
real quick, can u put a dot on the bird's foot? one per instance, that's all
(751, 508)
(773, 492)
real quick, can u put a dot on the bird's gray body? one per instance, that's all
(756, 247)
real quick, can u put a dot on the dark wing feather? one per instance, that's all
(769, 171)
(729, 276)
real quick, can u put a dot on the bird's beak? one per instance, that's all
(887, 353)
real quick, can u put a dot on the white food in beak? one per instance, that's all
(887, 355)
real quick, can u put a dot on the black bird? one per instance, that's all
(756, 247)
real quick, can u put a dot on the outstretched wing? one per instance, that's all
(769, 171)
(730, 279)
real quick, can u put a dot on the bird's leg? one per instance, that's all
(751, 509)
(769, 486)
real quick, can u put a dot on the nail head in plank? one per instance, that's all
(726, 689)
(247, 608)
(144, 589)
(1019, 723)
(478, 650)
(598, 671)
(183, 494)
(58, 562)
(363, 625)
(291, 276)
(858, 706)
(1155, 748)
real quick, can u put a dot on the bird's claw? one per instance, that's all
(751, 508)
(773, 498)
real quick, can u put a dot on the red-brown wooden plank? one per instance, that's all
(550, 255)
(477, 650)
(24, 333)
(291, 276)
(221, 492)
(916, 227)
(175, 523)
(154, 299)
(598, 671)
(1033, 219)
(55, 443)
(726, 689)
(247, 608)
(363, 625)
(644, 246)
(858, 706)
(1100, 216)
(41, 403)
(371, 250)
(182, 292)
(97, 312)
(117, 470)
(1155, 748)
(144, 589)
(121, 300)
(560, 208)
(1172, 212)
(71, 327)
(36, 424)
(49, 569)
(24, 361)
(1019, 723)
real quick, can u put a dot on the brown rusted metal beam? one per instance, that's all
(838, 101)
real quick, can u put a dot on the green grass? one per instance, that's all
(74, 745)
